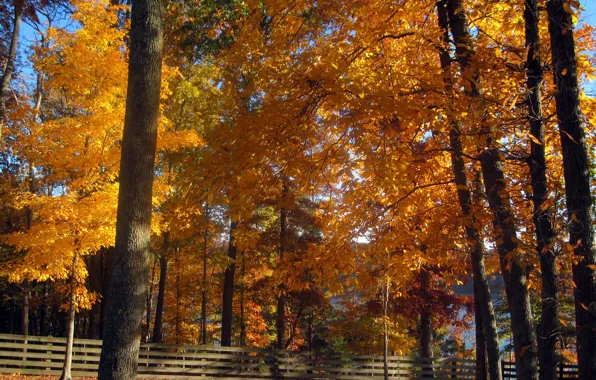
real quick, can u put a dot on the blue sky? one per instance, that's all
(589, 17)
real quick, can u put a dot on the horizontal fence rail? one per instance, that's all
(34, 355)
(564, 371)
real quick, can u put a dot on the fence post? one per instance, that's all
(25, 348)
(561, 370)
(49, 352)
(276, 364)
(454, 369)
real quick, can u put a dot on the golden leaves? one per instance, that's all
(179, 140)
(534, 139)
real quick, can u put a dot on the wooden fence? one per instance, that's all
(564, 371)
(44, 356)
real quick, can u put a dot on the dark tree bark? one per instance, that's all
(10, 63)
(242, 291)
(163, 271)
(204, 283)
(70, 329)
(149, 306)
(26, 284)
(481, 347)
(228, 291)
(35, 322)
(122, 333)
(12, 312)
(426, 336)
(25, 315)
(426, 321)
(178, 296)
(487, 338)
(577, 183)
(549, 323)
(385, 300)
(280, 321)
(514, 272)
(108, 256)
(43, 318)
(309, 332)
(294, 327)
(95, 282)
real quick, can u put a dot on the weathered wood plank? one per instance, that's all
(44, 355)
(49, 339)
(45, 364)
(53, 348)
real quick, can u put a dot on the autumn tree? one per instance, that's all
(547, 332)
(69, 213)
(305, 175)
(513, 269)
(131, 257)
(9, 67)
(228, 288)
(577, 181)
(487, 343)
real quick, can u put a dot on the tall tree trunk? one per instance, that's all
(43, 318)
(426, 327)
(385, 294)
(481, 347)
(228, 291)
(204, 290)
(294, 327)
(25, 316)
(35, 324)
(178, 297)
(26, 301)
(514, 273)
(549, 323)
(10, 63)
(66, 369)
(163, 272)
(310, 329)
(95, 282)
(56, 324)
(78, 323)
(577, 183)
(204, 283)
(26, 284)
(426, 334)
(482, 297)
(150, 302)
(242, 290)
(280, 321)
(12, 310)
(122, 335)
(108, 258)
(426, 321)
